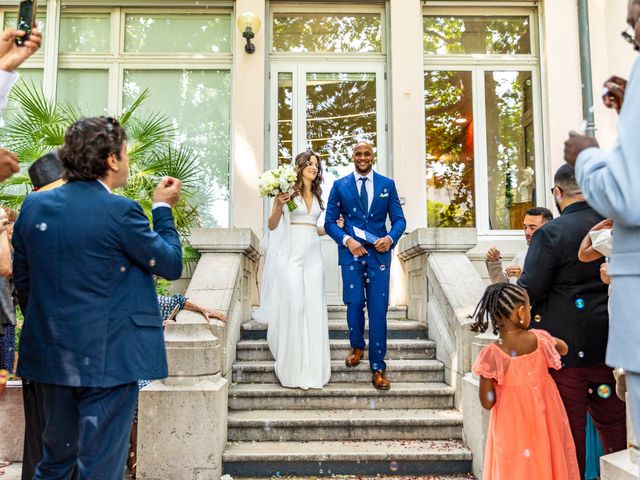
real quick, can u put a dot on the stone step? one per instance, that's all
(417, 370)
(338, 329)
(309, 425)
(339, 312)
(318, 458)
(396, 350)
(358, 396)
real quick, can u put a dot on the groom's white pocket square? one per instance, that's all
(384, 194)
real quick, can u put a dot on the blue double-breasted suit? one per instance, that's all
(366, 279)
(84, 261)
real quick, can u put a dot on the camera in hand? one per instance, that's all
(26, 19)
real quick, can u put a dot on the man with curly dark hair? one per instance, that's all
(83, 267)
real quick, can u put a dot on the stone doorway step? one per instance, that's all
(347, 428)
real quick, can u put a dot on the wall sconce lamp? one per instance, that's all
(249, 25)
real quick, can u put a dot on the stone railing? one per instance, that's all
(475, 418)
(443, 289)
(182, 420)
(11, 423)
(622, 465)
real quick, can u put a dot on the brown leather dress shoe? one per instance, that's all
(353, 359)
(380, 381)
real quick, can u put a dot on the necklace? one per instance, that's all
(502, 334)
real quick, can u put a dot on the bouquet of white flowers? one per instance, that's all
(279, 180)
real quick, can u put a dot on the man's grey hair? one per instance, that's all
(565, 178)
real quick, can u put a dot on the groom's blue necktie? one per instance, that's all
(364, 198)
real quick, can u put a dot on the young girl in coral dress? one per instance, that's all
(529, 436)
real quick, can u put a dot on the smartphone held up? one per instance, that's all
(26, 19)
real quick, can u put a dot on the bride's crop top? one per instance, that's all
(302, 215)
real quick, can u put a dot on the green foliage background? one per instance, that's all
(37, 126)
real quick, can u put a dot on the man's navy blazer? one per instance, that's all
(344, 200)
(83, 267)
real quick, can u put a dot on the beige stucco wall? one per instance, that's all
(248, 140)
(561, 96)
(407, 109)
(610, 55)
(561, 69)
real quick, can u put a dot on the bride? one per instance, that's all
(293, 301)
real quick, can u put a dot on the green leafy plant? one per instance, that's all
(37, 126)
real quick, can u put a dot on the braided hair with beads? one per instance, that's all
(497, 303)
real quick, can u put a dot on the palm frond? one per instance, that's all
(149, 134)
(127, 114)
(179, 163)
(39, 124)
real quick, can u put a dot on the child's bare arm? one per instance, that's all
(487, 393)
(561, 346)
(587, 253)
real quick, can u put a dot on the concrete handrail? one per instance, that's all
(182, 420)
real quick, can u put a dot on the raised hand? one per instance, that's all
(575, 144)
(168, 191)
(513, 271)
(493, 255)
(11, 55)
(8, 164)
(613, 92)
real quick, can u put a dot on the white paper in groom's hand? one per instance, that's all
(364, 235)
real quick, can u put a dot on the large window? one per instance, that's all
(328, 84)
(482, 116)
(107, 57)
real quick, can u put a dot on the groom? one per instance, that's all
(365, 199)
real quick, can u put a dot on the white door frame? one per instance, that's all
(299, 71)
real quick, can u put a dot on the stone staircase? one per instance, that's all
(348, 427)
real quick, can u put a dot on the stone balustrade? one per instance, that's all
(443, 289)
(182, 420)
(622, 465)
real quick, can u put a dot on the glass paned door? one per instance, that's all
(328, 108)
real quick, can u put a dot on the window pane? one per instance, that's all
(341, 109)
(28, 77)
(351, 33)
(84, 32)
(450, 153)
(177, 33)
(285, 117)
(11, 20)
(88, 88)
(467, 35)
(200, 108)
(510, 147)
